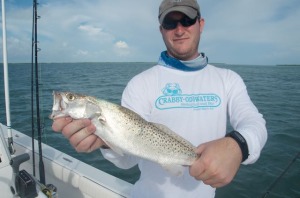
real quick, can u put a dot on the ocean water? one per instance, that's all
(275, 90)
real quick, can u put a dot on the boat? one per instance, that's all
(56, 174)
(71, 177)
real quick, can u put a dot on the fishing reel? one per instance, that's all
(26, 186)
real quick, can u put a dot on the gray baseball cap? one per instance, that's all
(188, 7)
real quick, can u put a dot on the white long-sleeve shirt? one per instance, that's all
(195, 105)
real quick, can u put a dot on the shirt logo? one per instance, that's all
(174, 98)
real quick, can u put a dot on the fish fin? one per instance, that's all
(101, 118)
(119, 151)
(92, 110)
(115, 149)
(175, 170)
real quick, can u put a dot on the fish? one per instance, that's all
(126, 132)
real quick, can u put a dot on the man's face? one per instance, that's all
(182, 42)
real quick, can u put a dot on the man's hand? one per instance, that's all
(218, 163)
(80, 133)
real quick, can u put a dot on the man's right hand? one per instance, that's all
(80, 133)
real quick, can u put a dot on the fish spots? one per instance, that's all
(128, 132)
(162, 142)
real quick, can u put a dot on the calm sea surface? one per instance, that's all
(275, 90)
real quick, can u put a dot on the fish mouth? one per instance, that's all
(58, 106)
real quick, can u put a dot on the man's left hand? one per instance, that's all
(218, 163)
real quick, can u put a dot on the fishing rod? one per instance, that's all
(32, 95)
(6, 82)
(269, 190)
(37, 97)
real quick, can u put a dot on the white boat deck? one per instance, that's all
(73, 178)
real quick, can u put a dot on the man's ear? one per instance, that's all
(202, 23)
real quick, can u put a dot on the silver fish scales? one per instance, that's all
(125, 132)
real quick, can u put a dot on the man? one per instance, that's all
(193, 99)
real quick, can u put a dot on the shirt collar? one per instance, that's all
(193, 65)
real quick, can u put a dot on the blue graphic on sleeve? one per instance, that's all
(173, 98)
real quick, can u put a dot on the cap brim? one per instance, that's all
(188, 11)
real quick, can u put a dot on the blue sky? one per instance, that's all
(260, 32)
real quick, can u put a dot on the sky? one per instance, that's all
(248, 32)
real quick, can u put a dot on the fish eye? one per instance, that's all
(71, 97)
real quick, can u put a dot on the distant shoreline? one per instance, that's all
(153, 63)
(288, 65)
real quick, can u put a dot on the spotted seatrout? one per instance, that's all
(125, 132)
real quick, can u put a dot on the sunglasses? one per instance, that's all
(170, 24)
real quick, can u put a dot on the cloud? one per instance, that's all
(82, 52)
(252, 32)
(249, 31)
(121, 45)
(91, 30)
(122, 48)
